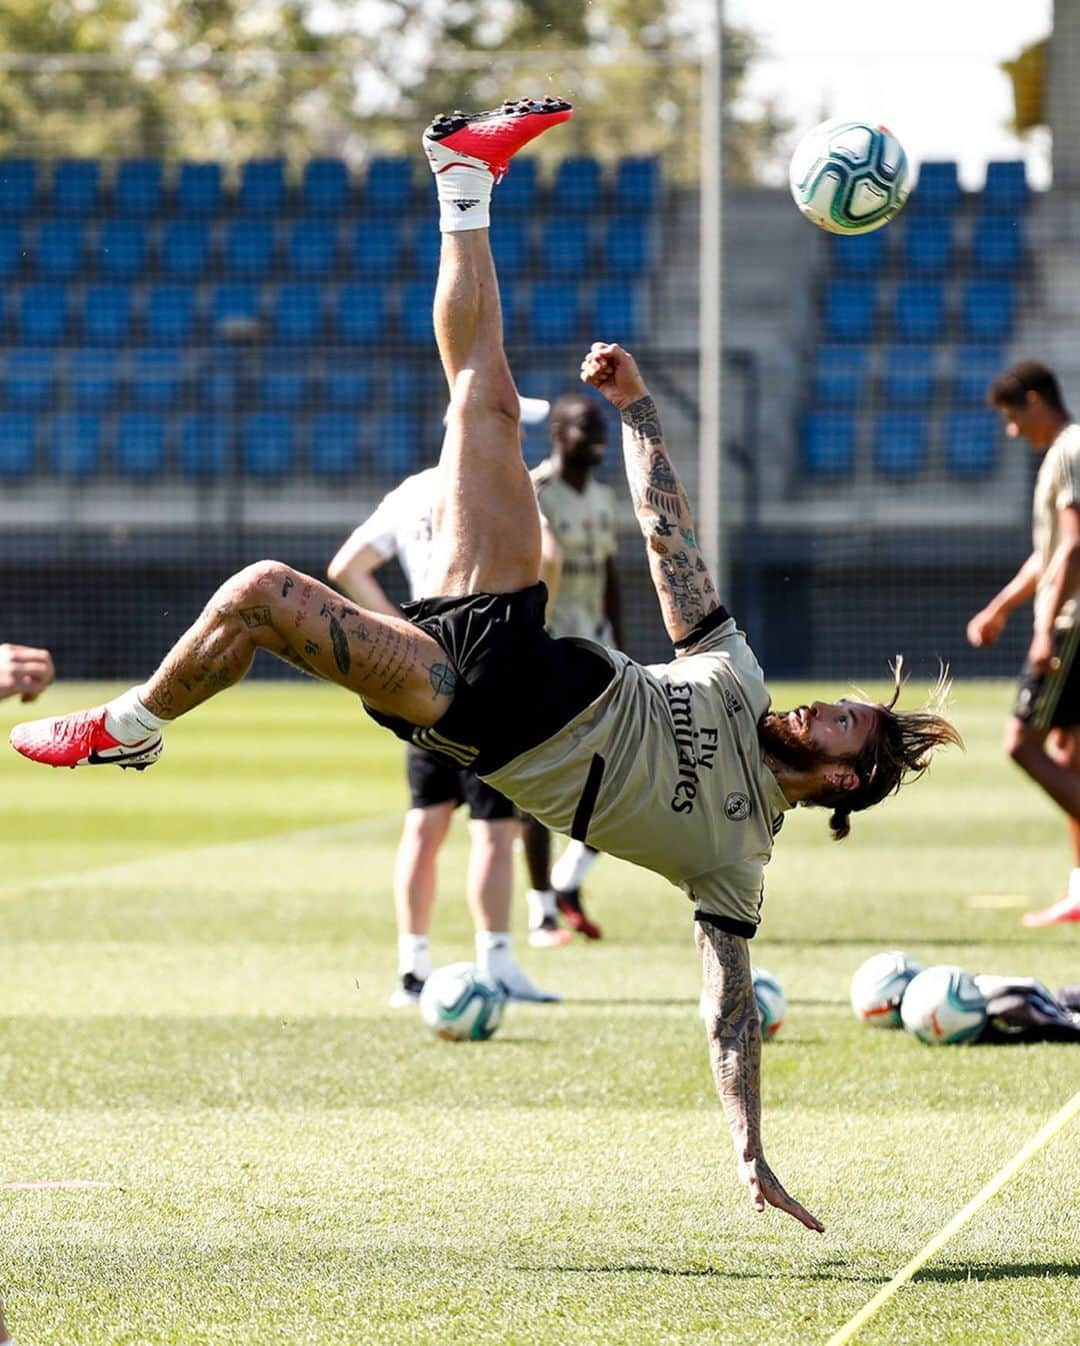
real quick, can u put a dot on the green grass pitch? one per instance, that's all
(195, 964)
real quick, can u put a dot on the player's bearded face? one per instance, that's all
(788, 743)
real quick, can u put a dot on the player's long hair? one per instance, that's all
(898, 749)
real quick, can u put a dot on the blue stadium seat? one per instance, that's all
(93, 378)
(43, 314)
(76, 185)
(170, 314)
(296, 312)
(268, 443)
(395, 443)
(324, 187)
(564, 246)
(157, 378)
(388, 185)
(509, 245)
(198, 188)
(626, 245)
(283, 383)
(637, 184)
(840, 375)
(1006, 190)
(973, 370)
(29, 378)
(106, 314)
(616, 310)
(360, 312)
(828, 443)
(141, 443)
(18, 435)
(576, 185)
(347, 385)
(900, 442)
(402, 384)
(249, 247)
(859, 255)
(375, 246)
(416, 323)
(262, 186)
(74, 443)
(217, 381)
(12, 249)
(850, 306)
(424, 251)
(232, 301)
(204, 445)
(971, 441)
(997, 245)
(121, 249)
(938, 188)
(137, 188)
(518, 190)
(928, 245)
(335, 444)
(18, 186)
(986, 310)
(908, 376)
(59, 248)
(553, 312)
(185, 248)
(312, 247)
(919, 311)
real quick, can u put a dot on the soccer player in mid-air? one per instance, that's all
(679, 767)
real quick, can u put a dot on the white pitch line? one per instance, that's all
(1060, 1119)
(361, 828)
(56, 1185)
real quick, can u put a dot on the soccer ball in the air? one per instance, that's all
(878, 987)
(461, 1003)
(849, 177)
(943, 1004)
(771, 1004)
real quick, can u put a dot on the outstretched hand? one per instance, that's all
(614, 372)
(766, 1190)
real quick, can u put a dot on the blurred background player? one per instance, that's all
(1041, 736)
(24, 672)
(402, 526)
(579, 511)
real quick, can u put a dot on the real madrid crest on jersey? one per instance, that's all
(736, 806)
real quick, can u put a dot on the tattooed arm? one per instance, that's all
(731, 1020)
(679, 574)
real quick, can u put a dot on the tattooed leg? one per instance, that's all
(396, 668)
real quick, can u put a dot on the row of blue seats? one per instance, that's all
(930, 245)
(164, 379)
(301, 312)
(918, 310)
(124, 249)
(938, 187)
(851, 376)
(900, 443)
(266, 445)
(388, 185)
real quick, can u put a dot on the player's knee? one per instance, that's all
(426, 827)
(491, 393)
(257, 581)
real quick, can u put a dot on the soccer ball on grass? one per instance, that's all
(878, 987)
(849, 177)
(771, 1004)
(461, 1003)
(942, 1005)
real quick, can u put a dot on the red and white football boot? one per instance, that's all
(81, 739)
(491, 139)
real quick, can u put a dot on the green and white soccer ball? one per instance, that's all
(771, 1003)
(849, 177)
(878, 987)
(461, 1003)
(943, 1005)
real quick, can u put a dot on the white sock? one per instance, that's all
(414, 956)
(494, 952)
(570, 868)
(541, 905)
(128, 720)
(464, 198)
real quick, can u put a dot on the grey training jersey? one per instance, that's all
(684, 789)
(1057, 486)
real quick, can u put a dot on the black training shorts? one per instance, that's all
(1052, 700)
(517, 686)
(434, 780)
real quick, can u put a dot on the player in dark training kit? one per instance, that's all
(681, 767)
